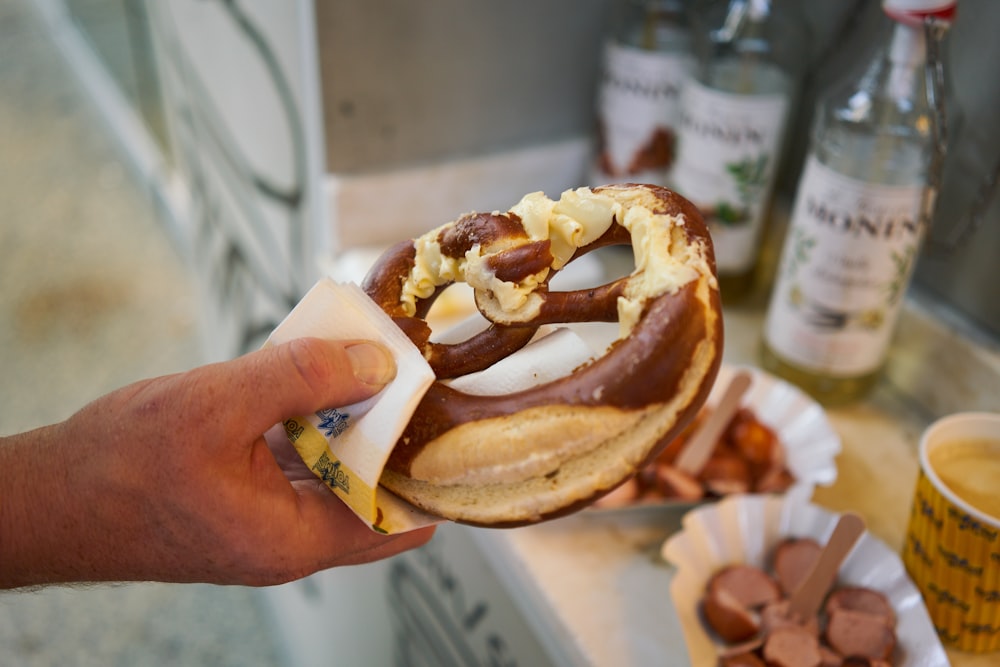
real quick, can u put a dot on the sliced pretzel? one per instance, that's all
(523, 457)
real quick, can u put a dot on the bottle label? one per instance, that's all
(844, 270)
(727, 155)
(637, 108)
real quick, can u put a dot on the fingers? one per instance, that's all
(339, 537)
(378, 547)
(396, 544)
(308, 374)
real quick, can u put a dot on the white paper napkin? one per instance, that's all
(548, 358)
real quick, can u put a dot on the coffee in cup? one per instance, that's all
(952, 548)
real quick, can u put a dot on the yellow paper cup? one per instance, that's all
(952, 548)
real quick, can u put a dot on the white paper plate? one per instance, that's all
(745, 529)
(811, 444)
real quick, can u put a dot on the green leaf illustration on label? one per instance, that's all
(802, 244)
(902, 261)
(750, 177)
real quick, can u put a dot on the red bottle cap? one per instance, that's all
(913, 12)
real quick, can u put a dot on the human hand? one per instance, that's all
(170, 479)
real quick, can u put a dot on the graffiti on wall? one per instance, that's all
(236, 82)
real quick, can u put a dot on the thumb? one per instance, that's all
(307, 374)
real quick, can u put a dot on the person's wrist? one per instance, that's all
(31, 509)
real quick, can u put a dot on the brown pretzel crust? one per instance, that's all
(644, 369)
(384, 284)
(642, 391)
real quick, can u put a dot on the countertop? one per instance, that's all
(594, 585)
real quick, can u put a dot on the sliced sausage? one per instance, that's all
(775, 615)
(863, 599)
(725, 474)
(851, 632)
(757, 442)
(792, 647)
(793, 560)
(776, 479)
(747, 659)
(751, 586)
(624, 495)
(674, 483)
(732, 621)
(731, 596)
(830, 658)
(861, 661)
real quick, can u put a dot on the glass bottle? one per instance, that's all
(734, 113)
(856, 225)
(646, 62)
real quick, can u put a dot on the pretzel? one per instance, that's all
(544, 452)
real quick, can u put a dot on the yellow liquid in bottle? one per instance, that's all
(826, 389)
(735, 289)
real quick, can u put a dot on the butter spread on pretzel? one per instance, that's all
(543, 452)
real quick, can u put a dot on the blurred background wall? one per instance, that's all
(445, 105)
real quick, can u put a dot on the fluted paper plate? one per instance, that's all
(811, 444)
(745, 529)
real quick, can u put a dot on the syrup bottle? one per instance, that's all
(734, 114)
(646, 63)
(859, 218)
